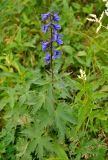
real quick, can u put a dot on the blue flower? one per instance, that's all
(56, 54)
(54, 36)
(45, 28)
(57, 38)
(45, 16)
(56, 27)
(56, 18)
(47, 58)
(45, 45)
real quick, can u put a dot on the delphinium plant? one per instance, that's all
(48, 46)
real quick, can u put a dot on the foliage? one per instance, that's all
(68, 121)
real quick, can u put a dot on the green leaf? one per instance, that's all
(3, 102)
(63, 115)
(36, 101)
(60, 152)
(49, 101)
(18, 36)
(68, 49)
(12, 97)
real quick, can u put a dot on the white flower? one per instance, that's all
(82, 75)
(93, 18)
(106, 4)
(106, 12)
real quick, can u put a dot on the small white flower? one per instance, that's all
(91, 20)
(82, 75)
(93, 15)
(106, 4)
(106, 12)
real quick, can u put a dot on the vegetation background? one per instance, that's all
(69, 122)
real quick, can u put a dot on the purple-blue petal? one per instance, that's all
(45, 45)
(56, 27)
(57, 38)
(56, 54)
(47, 58)
(45, 16)
(45, 28)
(59, 41)
(56, 18)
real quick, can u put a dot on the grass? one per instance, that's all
(68, 122)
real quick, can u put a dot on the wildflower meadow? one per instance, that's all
(53, 80)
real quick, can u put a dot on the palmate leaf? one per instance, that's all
(59, 151)
(44, 118)
(43, 144)
(38, 144)
(63, 116)
(21, 147)
(33, 133)
(22, 151)
(39, 101)
(27, 157)
(12, 97)
(49, 105)
(49, 101)
(32, 99)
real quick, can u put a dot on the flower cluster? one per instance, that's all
(106, 5)
(54, 27)
(93, 17)
(82, 75)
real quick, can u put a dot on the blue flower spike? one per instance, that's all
(55, 36)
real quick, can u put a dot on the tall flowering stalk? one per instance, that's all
(48, 45)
